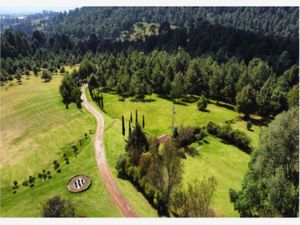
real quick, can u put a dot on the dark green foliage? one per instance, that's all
(249, 125)
(293, 96)
(235, 137)
(143, 121)
(185, 136)
(136, 116)
(271, 185)
(86, 68)
(58, 207)
(69, 91)
(62, 70)
(212, 128)
(123, 126)
(202, 104)
(131, 117)
(46, 76)
(93, 82)
(122, 164)
(55, 165)
(137, 144)
(129, 128)
(25, 183)
(245, 100)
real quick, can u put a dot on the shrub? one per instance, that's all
(199, 133)
(122, 163)
(62, 70)
(212, 128)
(46, 76)
(202, 104)
(121, 99)
(25, 183)
(249, 125)
(58, 207)
(185, 137)
(235, 137)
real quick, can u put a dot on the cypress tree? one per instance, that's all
(102, 103)
(129, 128)
(123, 126)
(136, 117)
(143, 121)
(131, 117)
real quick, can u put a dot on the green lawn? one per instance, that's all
(227, 163)
(114, 147)
(158, 113)
(223, 161)
(37, 129)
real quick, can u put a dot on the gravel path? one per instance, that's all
(105, 172)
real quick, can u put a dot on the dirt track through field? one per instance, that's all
(105, 172)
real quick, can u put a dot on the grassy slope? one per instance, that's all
(114, 147)
(158, 113)
(36, 129)
(227, 163)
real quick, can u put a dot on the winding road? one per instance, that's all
(105, 172)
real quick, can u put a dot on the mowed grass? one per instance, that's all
(225, 162)
(114, 147)
(158, 113)
(35, 130)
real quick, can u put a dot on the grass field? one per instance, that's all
(158, 113)
(114, 147)
(225, 162)
(37, 129)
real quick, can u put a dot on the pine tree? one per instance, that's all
(136, 117)
(143, 121)
(131, 117)
(102, 102)
(123, 126)
(129, 128)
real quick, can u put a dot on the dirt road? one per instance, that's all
(105, 172)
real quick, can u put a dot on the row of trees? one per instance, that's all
(253, 88)
(235, 137)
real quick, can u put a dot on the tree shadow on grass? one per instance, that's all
(224, 105)
(205, 110)
(141, 100)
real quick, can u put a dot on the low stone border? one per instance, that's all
(79, 183)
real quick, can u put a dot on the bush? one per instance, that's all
(46, 76)
(199, 133)
(202, 104)
(121, 99)
(212, 128)
(62, 70)
(185, 137)
(249, 125)
(235, 137)
(58, 207)
(122, 163)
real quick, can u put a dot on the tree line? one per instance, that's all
(252, 87)
(199, 37)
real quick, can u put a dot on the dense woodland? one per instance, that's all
(254, 88)
(246, 56)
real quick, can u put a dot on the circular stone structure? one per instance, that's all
(79, 183)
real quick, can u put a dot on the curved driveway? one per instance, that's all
(105, 172)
